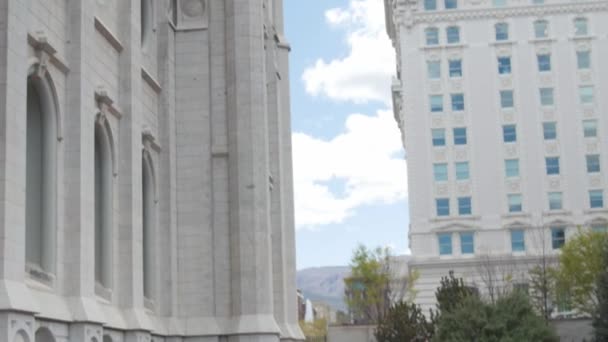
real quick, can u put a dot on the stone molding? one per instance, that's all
(108, 35)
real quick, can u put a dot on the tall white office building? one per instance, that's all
(501, 108)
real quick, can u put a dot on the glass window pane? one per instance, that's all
(596, 199)
(586, 94)
(517, 241)
(509, 133)
(541, 29)
(550, 130)
(440, 172)
(552, 165)
(460, 136)
(583, 59)
(546, 96)
(580, 27)
(451, 4)
(593, 163)
(457, 102)
(504, 65)
(432, 36)
(555, 201)
(506, 99)
(558, 237)
(600, 228)
(445, 244)
(464, 206)
(438, 137)
(512, 168)
(436, 102)
(434, 69)
(544, 62)
(462, 170)
(590, 128)
(467, 243)
(455, 68)
(453, 34)
(502, 31)
(515, 205)
(443, 206)
(430, 5)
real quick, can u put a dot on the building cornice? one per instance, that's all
(410, 16)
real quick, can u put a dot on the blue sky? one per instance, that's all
(350, 176)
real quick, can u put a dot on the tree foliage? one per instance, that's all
(511, 318)
(316, 328)
(451, 293)
(580, 266)
(543, 289)
(600, 318)
(367, 290)
(404, 322)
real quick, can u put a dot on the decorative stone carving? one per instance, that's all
(506, 82)
(592, 147)
(546, 79)
(513, 185)
(438, 121)
(554, 183)
(458, 119)
(464, 188)
(456, 85)
(551, 148)
(508, 117)
(595, 181)
(192, 14)
(435, 87)
(583, 46)
(585, 77)
(504, 51)
(441, 189)
(548, 114)
(440, 155)
(193, 8)
(460, 153)
(511, 150)
(588, 112)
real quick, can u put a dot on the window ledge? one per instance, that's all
(502, 43)
(585, 37)
(431, 47)
(597, 211)
(455, 45)
(542, 40)
(516, 215)
(455, 218)
(561, 212)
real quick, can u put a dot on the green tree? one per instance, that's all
(368, 289)
(600, 318)
(511, 318)
(542, 284)
(580, 266)
(404, 322)
(451, 292)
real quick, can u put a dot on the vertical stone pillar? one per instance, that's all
(13, 89)
(251, 266)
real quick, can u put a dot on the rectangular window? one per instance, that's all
(512, 168)
(509, 133)
(544, 62)
(518, 243)
(549, 130)
(583, 60)
(440, 172)
(438, 136)
(590, 128)
(445, 244)
(555, 201)
(467, 243)
(558, 237)
(546, 96)
(586, 94)
(453, 34)
(580, 27)
(464, 206)
(460, 136)
(433, 69)
(593, 163)
(504, 65)
(552, 165)
(451, 4)
(430, 5)
(462, 171)
(499, 3)
(432, 36)
(443, 206)
(455, 67)
(506, 99)
(501, 31)
(541, 29)
(596, 198)
(436, 102)
(599, 228)
(515, 205)
(457, 102)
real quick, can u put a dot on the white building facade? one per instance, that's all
(502, 109)
(145, 172)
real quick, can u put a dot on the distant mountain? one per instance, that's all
(324, 284)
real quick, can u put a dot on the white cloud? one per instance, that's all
(365, 73)
(366, 157)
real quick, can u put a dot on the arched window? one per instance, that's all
(148, 219)
(44, 335)
(580, 27)
(103, 207)
(541, 29)
(501, 31)
(146, 20)
(40, 182)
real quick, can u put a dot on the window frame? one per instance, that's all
(513, 205)
(552, 166)
(465, 206)
(596, 199)
(460, 136)
(549, 130)
(516, 243)
(467, 243)
(442, 206)
(445, 244)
